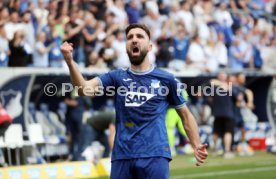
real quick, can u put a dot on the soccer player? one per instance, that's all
(141, 148)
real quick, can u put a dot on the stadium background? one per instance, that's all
(95, 28)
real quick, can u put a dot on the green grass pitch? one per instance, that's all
(261, 165)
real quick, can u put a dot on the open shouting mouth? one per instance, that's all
(135, 51)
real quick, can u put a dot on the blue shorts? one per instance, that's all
(145, 168)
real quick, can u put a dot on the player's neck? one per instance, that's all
(143, 67)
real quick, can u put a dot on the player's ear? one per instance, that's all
(150, 46)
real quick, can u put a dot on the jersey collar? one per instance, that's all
(141, 72)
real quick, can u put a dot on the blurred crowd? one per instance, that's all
(203, 35)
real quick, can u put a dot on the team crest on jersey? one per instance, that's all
(136, 99)
(155, 83)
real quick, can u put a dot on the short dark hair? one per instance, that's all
(141, 26)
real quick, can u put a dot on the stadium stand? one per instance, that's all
(39, 27)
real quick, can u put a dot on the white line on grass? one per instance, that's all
(225, 172)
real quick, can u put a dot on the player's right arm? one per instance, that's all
(85, 87)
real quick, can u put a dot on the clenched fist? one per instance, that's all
(67, 51)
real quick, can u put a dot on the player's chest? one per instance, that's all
(137, 92)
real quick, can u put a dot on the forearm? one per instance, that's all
(190, 126)
(76, 77)
(191, 129)
(249, 95)
(250, 99)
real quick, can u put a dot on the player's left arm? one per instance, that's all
(191, 128)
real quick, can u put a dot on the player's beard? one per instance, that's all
(137, 60)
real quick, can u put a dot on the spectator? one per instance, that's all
(186, 17)
(53, 36)
(55, 56)
(118, 9)
(61, 16)
(133, 12)
(180, 48)
(30, 9)
(73, 35)
(211, 54)
(19, 51)
(90, 33)
(224, 22)
(222, 16)
(246, 48)
(28, 29)
(4, 15)
(202, 12)
(13, 25)
(246, 107)
(41, 13)
(257, 8)
(174, 9)
(98, 8)
(222, 51)
(222, 110)
(238, 102)
(243, 5)
(95, 62)
(40, 55)
(236, 56)
(53, 6)
(268, 54)
(153, 19)
(14, 5)
(107, 52)
(164, 7)
(118, 44)
(164, 55)
(50, 26)
(196, 56)
(110, 25)
(181, 44)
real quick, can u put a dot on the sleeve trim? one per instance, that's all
(180, 106)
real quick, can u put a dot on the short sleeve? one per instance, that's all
(107, 79)
(175, 96)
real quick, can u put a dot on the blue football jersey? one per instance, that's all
(141, 102)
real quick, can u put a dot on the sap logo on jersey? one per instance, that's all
(135, 99)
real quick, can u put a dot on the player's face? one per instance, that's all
(138, 45)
